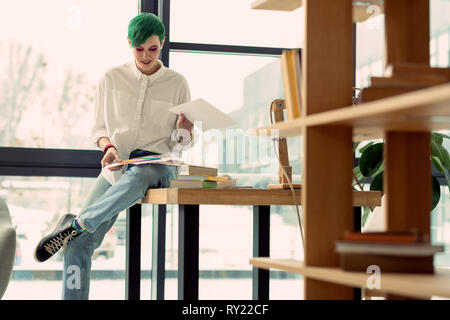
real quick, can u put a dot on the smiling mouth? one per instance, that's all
(146, 63)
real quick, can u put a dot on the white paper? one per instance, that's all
(201, 110)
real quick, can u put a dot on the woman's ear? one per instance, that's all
(129, 42)
(162, 42)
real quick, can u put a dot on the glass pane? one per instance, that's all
(369, 50)
(52, 55)
(440, 33)
(35, 205)
(233, 22)
(440, 228)
(244, 92)
(243, 87)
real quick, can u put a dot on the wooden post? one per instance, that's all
(407, 174)
(407, 181)
(407, 31)
(327, 84)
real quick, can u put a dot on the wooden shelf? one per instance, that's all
(277, 5)
(328, 122)
(244, 197)
(360, 8)
(421, 110)
(407, 284)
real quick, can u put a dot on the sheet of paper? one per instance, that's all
(201, 110)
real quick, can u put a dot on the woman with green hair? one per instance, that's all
(131, 119)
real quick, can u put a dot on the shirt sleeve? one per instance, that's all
(184, 96)
(99, 127)
(185, 93)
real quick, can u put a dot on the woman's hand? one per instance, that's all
(184, 123)
(109, 157)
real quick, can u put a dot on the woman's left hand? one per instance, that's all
(184, 123)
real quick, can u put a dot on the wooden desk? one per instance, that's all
(188, 201)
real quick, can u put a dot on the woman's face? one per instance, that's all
(146, 55)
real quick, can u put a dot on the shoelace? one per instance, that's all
(59, 241)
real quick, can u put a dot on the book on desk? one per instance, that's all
(202, 177)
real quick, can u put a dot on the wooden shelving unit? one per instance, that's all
(421, 110)
(329, 126)
(421, 286)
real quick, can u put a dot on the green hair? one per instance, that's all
(143, 26)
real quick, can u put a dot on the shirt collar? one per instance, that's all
(139, 75)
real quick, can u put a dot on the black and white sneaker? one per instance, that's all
(50, 244)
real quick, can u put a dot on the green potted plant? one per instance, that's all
(371, 167)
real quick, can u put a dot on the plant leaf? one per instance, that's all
(441, 153)
(367, 211)
(440, 167)
(437, 164)
(366, 146)
(358, 175)
(437, 138)
(436, 192)
(371, 159)
(443, 135)
(377, 182)
(355, 145)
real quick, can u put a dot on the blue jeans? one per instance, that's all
(100, 211)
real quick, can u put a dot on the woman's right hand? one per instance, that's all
(109, 157)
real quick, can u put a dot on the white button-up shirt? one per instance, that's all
(131, 110)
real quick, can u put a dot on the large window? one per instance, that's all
(35, 204)
(243, 85)
(233, 22)
(52, 55)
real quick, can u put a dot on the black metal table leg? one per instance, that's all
(133, 253)
(158, 251)
(261, 248)
(188, 251)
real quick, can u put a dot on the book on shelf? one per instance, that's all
(204, 184)
(291, 69)
(198, 170)
(385, 237)
(413, 80)
(390, 251)
(386, 263)
(419, 249)
(374, 93)
(401, 68)
(400, 78)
